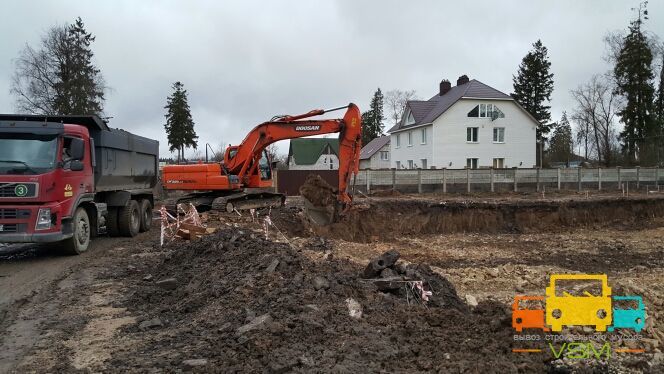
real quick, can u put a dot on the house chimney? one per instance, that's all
(462, 80)
(445, 86)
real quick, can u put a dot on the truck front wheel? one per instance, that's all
(129, 219)
(80, 241)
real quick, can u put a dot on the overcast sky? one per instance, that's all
(244, 61)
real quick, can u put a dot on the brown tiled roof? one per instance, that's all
(373, 146)
(428, 111)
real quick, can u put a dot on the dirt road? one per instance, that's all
(36, 282)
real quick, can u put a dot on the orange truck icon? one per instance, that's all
(525, 318)
(586, 309)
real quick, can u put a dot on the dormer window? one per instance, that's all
(409, 119)
(486, 111)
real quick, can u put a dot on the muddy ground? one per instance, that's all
(237, 301)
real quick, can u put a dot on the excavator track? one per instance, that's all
(248, 200)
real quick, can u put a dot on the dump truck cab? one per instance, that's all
(53, 189)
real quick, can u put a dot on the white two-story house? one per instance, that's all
(470, 125)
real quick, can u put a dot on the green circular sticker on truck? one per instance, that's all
(21, 190)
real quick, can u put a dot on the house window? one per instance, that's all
(410, 120)
(472, 134)
(471, 163)
(424, 163)
(486, 111)
(424, 136)
(398, 164)
(398, 143)
(499, 135)
(410, 164)
(498, 163)
(410, 138)
(384, 155)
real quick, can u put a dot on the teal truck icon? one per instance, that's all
(634, 319)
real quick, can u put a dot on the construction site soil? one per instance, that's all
(292, 297)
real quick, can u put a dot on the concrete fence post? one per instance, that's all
(468, 180)
(579, 178)
(537, 178)
(599, 179)
(419, 180)
(394, 179)
(558, 178)
(638, 177)
(657, 178)
(491, 176)
(515, 183)
(619, 177)
(444, 180)
(368, 181)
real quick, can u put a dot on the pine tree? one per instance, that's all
(533, 86)
(633, 75)
(561, 144)
(179, 124)
(372, 120)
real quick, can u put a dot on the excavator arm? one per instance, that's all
(242, 160)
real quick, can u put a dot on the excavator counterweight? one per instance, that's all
(244, 179)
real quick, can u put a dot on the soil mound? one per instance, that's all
(242, 303)
(318, 191)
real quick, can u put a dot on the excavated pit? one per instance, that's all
(390, 218)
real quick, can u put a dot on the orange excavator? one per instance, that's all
(244, 179)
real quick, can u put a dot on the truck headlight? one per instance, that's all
(43, 219)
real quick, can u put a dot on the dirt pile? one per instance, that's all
(237, 302)
(318, 192)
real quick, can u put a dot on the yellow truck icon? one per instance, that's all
(584, 309)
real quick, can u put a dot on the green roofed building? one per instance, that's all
(313, 154)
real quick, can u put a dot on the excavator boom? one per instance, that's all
(245, 166)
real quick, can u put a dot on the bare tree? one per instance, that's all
(59, 76)
(595, 113)
(396, 100)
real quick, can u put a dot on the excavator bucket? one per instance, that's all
(320, 200)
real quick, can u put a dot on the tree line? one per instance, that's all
(59, 77)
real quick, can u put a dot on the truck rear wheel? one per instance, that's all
(112, 222)
(146, 215)
(80, 241)
(129, 219)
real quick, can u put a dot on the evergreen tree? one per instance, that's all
(179, 124)
(562, 142)
(60, 78)
(372, 120)
(633, 75)
(533, 86)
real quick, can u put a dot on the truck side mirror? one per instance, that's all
(77, 149)
(75, 165)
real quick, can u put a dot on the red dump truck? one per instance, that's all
(63, 178)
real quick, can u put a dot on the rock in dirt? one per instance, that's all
(194, 363)
(321, 283)
(168, 283)
(471, 300)
(381, 262)
(318, 191)
(272, 267)
(388, 273)
(354, 308)
(257, 323)
(148, 324)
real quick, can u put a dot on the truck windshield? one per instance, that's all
(27, 153)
